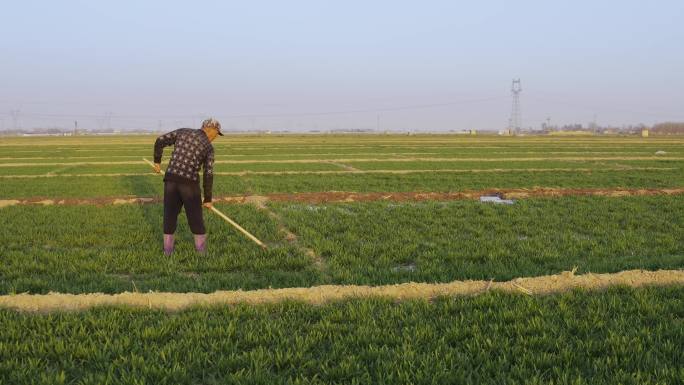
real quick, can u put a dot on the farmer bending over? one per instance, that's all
(192, 150)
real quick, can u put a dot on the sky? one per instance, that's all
(305, 65)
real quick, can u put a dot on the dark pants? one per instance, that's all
(177, 195)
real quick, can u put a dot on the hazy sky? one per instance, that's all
(424, 65)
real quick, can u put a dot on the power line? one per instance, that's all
(110, 116)
(596, 109)
(385, 109)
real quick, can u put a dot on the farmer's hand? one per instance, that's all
(208, 205)
(157, 168)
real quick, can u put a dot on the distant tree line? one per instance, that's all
(669, 128)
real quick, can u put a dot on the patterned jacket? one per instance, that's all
(192, 150)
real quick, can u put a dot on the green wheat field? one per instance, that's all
(62, 229)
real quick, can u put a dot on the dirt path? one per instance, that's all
(346, 160)
(341, 196)
(137, 156)
(345, 167)
(350, 170)
(334, 196)
(317, 295)
(347, 154)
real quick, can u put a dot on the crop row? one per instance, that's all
(627, 336)
(141, 168)
(258, 143)
(117, 248)
(386, 242)
(312, 153)
(138, 166)
(341, 139)
(308, 153)
(151, 185)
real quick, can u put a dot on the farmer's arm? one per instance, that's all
(161, 142)
(208, 177)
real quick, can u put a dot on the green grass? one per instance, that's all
(515, 165)
(73, 166)
(27, 170)
(336, 153)
(322, 144)
(626, 336)
(117, 248)
(372, 243)
(426, 182)
(151, 185)
(142, 167)
(256, 148)
(85, 248)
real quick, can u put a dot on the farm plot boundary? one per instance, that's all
(543, 285)
(342, 160)
(346, 154)
(351, 170)
(341, 196)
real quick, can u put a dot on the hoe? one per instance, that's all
(225, 218)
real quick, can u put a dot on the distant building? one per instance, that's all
(571, 133)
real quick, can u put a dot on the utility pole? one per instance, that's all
(515, 122)
(104, 121)
(15, 118)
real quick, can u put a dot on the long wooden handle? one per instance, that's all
(243, 231)
(152, 164)
(225, 217)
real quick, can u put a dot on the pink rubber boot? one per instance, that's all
(168, 244)
(201, 243)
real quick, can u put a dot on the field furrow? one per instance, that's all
(342, 196)
(348, 160)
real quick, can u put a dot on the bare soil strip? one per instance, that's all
(341, 196)
(345, 167)
(344, 160)
(137, 156)
(350, 170)
(318, 295)
(217, 156)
